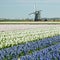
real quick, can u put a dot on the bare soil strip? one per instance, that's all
(36, 22)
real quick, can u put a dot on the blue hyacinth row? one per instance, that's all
(50, 53)
(14, 51)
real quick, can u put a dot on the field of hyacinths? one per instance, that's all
(32, 44)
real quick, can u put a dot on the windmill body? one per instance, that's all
(37, 15)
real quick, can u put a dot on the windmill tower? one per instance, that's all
(37, 14)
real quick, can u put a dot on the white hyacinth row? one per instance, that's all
(11, 38)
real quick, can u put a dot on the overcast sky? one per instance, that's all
(21, 8)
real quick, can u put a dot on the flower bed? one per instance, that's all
(15, 44)
(13, 38)
(50, 53)
(28, 48)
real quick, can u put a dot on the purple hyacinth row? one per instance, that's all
(16, 50)
(50, 53)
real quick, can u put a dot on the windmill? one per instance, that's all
(37, 14)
